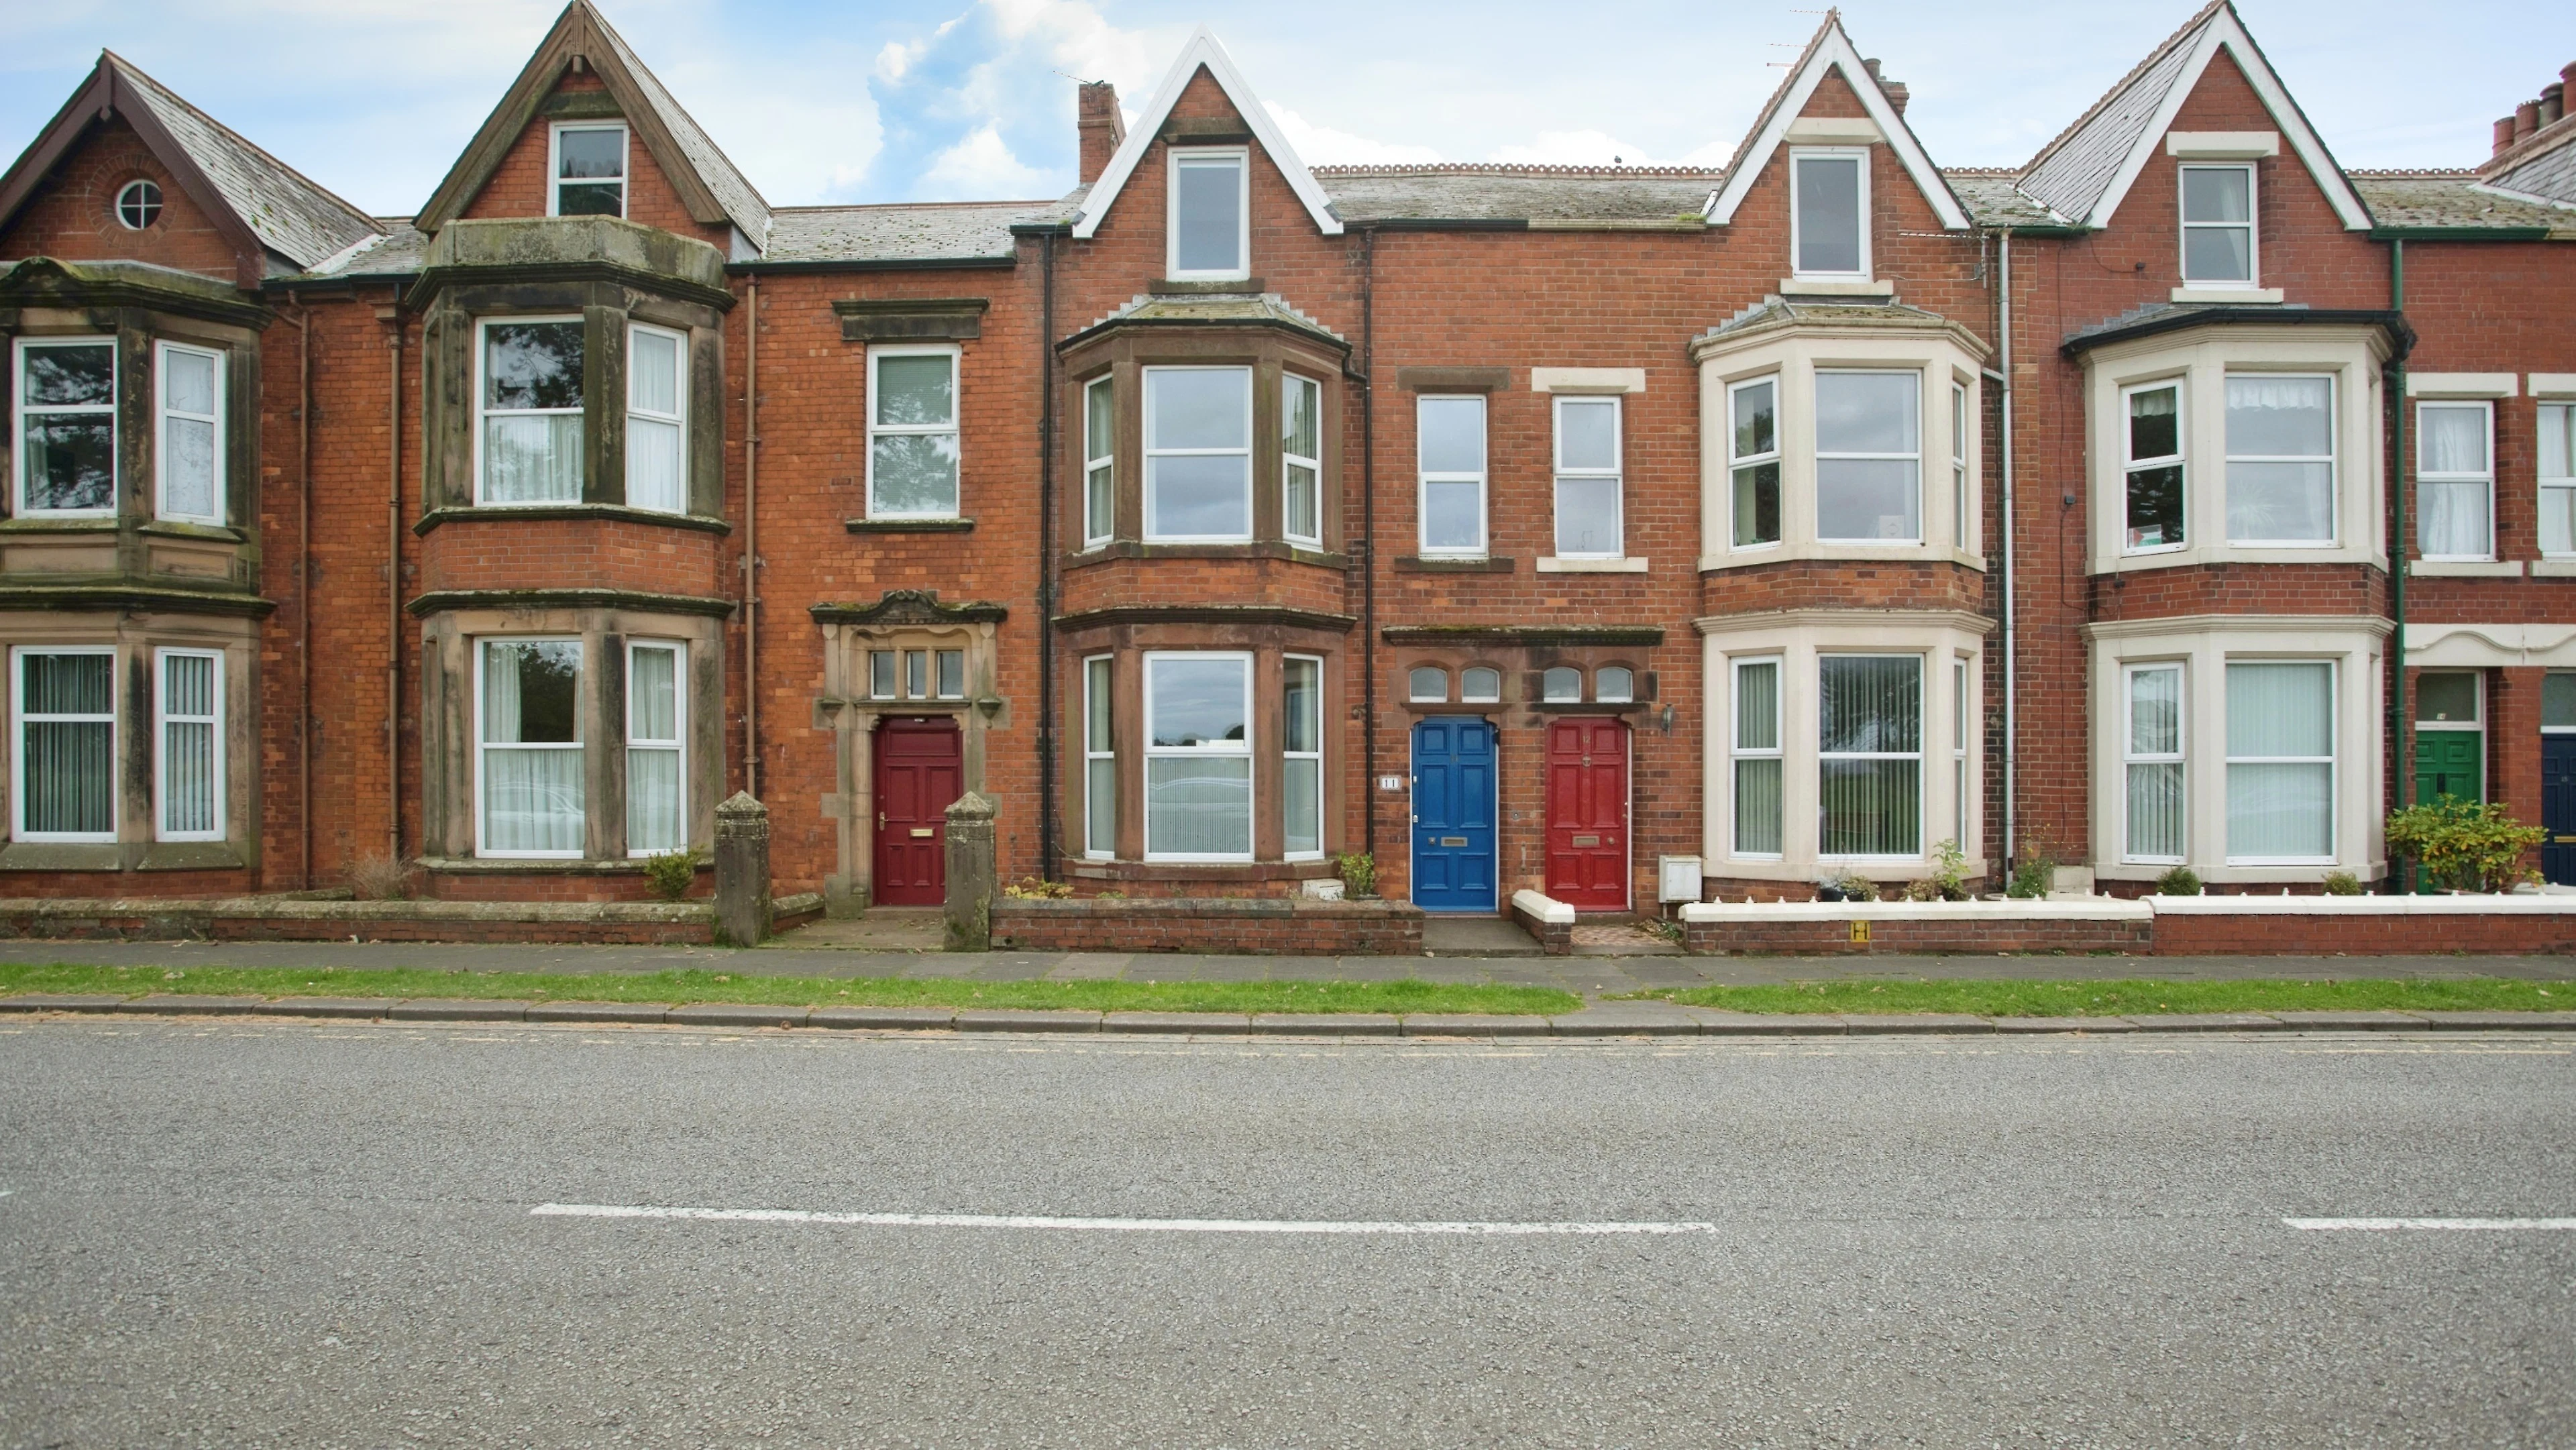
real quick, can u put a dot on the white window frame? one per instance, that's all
(2252, 227)
(2179, 756)
(1099, 687)
(18, 720)
(1960, 668)
(20, 409)
(2477, 722)
(2563, 415)
(482, 791)
(1412, 687)
(1959, 520)
(2179, 458)
(1288, 384)
(1286, 755)
(162, 720)
(1799, 156)
(892, 683)
(678, 419)
(2485, 478)
(1547, 688)
(1601, 692)
(939, 662)
(678, 743)
(1224, 748)
(1615, 473)
(1736, 463)
(1466, 697)
(1481, 478)
(1178, 157)
(482, 361)
(1737, 751)
(953, 427)
(555, 179)
(2333, 459)
(148, 198)
(2333, 761)
(2545, 727)
(1920, 755)
(1099, 466)
(1815, 489)
(1248, 452)
(162, 413)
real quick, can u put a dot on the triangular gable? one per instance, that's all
(705, 179)
(1203, 50)
(2087, 171)
(259, 203)
(1832, 50)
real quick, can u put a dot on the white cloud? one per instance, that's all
(1324, 146)
(979, 167)
(1573, 148)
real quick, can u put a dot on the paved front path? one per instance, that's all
(1589, 975)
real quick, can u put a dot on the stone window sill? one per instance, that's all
(1553, 565)
(2554, 569)
(1820, 287)
(1456, 564)
(1213, 874)
(2464, 568)
(1264, 549)
(486, 514)
(909, 526)
(509, 866)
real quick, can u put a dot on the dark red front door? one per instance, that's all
(1587, 814)
(919, 767)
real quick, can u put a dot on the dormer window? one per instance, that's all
(589, 171)
(67, 426)
(1211, 214)
(1828, 213)
(2218, 226)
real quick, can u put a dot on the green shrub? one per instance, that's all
(2464, 845)
(2034, 873)
(1856, 887)
(2342, 883)
(2178, 881)
(1359, 872)
(1030, 888)
(1924, 889)
(672, 873)
(1949, 874)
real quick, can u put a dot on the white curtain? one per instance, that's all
(2280, 772)
(532, 800)
(532, 458)
(2282, 428)
(188, 782)
(532, 790)
(2452, 514)
(2155, 802)
(653, 752)
(188, 443)
(653, 464)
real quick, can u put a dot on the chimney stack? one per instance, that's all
(1897, 95)
(2503, 135)
(2526, 119)
(2553, 102)
(1101, 127)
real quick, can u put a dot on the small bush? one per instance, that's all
(672, 873)
(381, 878)
(1359, 872)
(2464, 845)
(1924, 890)
(1856, 887)
(1030, 888)
(2342, 883)
(2178, 881)
(1949, 873)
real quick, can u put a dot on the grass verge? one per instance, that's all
(698, 986)
(2139, 996)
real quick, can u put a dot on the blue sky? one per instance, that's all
(947, 99)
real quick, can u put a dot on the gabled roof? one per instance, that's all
(2456, 201)
(705, 178)
(2546, 171)
(2087, 171)
(260, 202)
(1831, 50)
(1611, 196)
(1203, 50)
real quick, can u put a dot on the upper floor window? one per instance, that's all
(2218, 239)
(588, 172)
(1959, 490)
(138, 204)
(1753, 448)
(1449, 446)
(1301, 460)
(1211, 213)
(912, 432)
(66, 426)
(657, 422)
(2455, 479)
(1198, 454)
(190, 456)
(528, 401)
(1828, 212)
(2153, 466)
(1588, 515)
(1869, 457)
(2558, 478)
(2280, 459)
(1099, 462)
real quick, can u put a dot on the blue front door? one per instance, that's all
(1453, 815)
(2558, 807)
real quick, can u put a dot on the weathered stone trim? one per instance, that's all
(620, 513)
(444, 600)
(1507, 634)
(51, 282)
(910, 606)
(1232, 614)
(911, 319)
(909, 526)
(133, 599)
(1453, 380)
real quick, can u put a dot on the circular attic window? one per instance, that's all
(138, 204)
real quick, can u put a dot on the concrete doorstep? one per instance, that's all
(1646, 1018)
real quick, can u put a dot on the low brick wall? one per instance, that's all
(1549, 921)
(261, 918)
(2363, 925)
(1836, 928)
(1234, 926)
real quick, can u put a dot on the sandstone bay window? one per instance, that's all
(1198, 454)
(530, 753)
(1588, 504)
(912, 432)
(1301, 751)
(1449, 448)
(528, 405)
(657, 419)
(656, 747)
(1757, 757)
(588, 171)
(1753, 411)
(188, 734)
(190, 438)
(2152, 757)
(63, 775)
(1829, 213)
(1099, 761)
(2558, 478)
(2280, 761)
(1198, 757)
(2218, 238)
(2280, 459)
(2455, 480)
(1210, 213)
(1869, 755)
(2153, 467)
(1869, 457)
(66, 426)
(1099, 462)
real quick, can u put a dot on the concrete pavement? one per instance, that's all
(245, 1233)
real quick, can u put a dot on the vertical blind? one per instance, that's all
(1099, 762)
(2280, 760)
(67, 744)
(190, 718)
(2155, 786)
(1198, 766)
(1870, 755)
(1757, 763)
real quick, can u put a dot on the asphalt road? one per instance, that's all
(248, 1234)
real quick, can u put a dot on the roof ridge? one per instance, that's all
(130, 69)
(2411, 171)
(2119, 87)
(1507, 168)
(910, 205)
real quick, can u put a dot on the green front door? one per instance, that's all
(2450, 762)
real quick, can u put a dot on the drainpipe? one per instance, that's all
(751, 549)
(1367, 543)
(1047, 845)
(2012, 616)
(303, 320)
(2400, 735)
(393, 585)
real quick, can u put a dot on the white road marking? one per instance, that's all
(2393, 1225)
(1116, 1225)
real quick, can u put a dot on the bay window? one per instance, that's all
(1753, 451)
(2558, 478)
(589, 171)
(1099, 761)
(1869, 453)
(1198, 757)
(1301, 751)
(190, 452)
(1210, 213)
(2280, 459)
(656, 815)
(1099, 462)
(2154, 466)
(64, 760)
(1198, 454)
(912, 432)
(1301, 460)
(1829, 213)
(1588, 509)
(188, 704)
(2152, 756)
(2218, 226)
(528, 406)
(2455, 480)
(66, 426)
(530, 747)
(1870, 755)
(2280, 761)
(656, 419)
(1449, 448)
(1757, 757)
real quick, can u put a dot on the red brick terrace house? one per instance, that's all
(1630, 534)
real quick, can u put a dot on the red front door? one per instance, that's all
(1587, 814)
(920, 764)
